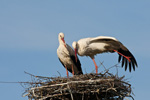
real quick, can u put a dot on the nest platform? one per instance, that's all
(100, 86)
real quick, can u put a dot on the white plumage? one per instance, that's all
(92, 46)
(66, 56)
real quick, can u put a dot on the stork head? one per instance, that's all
(61, 38)
(75, 46)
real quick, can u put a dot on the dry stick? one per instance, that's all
(116, 65)
(86, 81)
(71, 79)
(49, 96)
(98, 67)
(103, 65)
(131, 97)
(90, 81)
(83, 96)
(97, 97)
(54, 95)
(70, 91)
(38, 76)
(59, 73)
(26, 95)
(35, 95)
(21, 82)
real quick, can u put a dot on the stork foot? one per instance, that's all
(127, 57)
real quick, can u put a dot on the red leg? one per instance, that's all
(67, 72)
(95, 66)
(72, 70)
(128, 58)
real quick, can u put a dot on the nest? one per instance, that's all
(100, 86)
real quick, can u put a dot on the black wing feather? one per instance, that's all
(116, 45)
(130, 66)
(119, 58)
(77, 64)
(123, 60)
(126, 64)
(132, 63)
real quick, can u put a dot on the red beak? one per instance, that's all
(63, 41)
(75, 54)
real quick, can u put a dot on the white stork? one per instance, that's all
(67, 57)
(92, 46)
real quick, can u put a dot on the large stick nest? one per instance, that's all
(82, 87)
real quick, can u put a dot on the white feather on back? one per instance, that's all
(89, 48)
(97, 46)
(103, 37)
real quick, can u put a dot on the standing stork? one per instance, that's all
(67, 57)
(92, 46)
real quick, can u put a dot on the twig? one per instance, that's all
(38, 76)
(83, 85)
(73, 82)
(59, 73)
(70, 91)
(83, 96)
(103, 65)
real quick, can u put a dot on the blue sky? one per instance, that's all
(29, 31)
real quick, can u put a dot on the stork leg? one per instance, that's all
(95, 65)
(72, 70)
(67, 72)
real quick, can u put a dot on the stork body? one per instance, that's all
(66, 56)
(101, 44)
